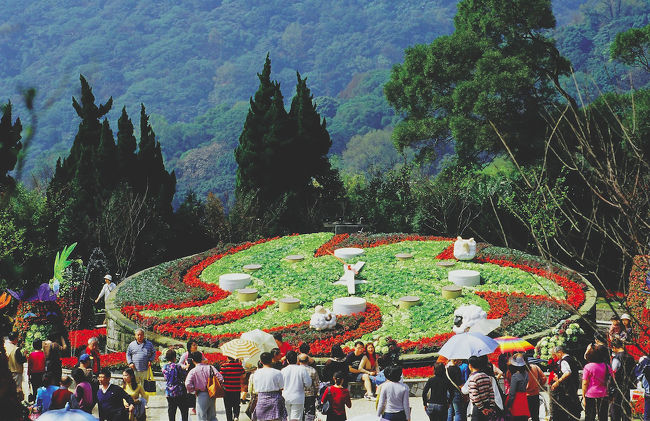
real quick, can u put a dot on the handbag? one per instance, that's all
(433, 408)
(519, 406)
(215, 389)
(251, 406)
(149, 385)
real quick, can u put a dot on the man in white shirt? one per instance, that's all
(296, 378)
(268, 383)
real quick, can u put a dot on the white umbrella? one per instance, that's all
(465, 345)
(67, 415)
(264, 341)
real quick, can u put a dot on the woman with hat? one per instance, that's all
(626, 328)
(517, 401)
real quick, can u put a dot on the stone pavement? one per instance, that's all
(361, 408)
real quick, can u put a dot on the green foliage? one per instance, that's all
(61, 262)
(497, 68)
(9, 145)
(632, 47)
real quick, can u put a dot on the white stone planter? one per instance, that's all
(348, 305)
(234, 281)
(348, 252)
(465, 278)
(252, 267)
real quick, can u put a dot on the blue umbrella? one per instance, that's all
(67, 415)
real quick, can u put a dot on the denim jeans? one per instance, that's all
(457, 409)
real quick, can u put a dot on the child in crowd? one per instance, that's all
(338, 397)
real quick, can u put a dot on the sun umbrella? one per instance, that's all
(485, 326)
(239, 348)
(513, 344)
(67, 415)
(465, 345)
(264, 341)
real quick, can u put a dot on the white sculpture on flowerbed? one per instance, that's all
(464, 249)
(322, 319)
(472, 318)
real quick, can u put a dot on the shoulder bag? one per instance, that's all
(215, 389)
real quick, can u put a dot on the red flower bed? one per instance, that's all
(113, 360)
(79, 338)
(636, 299)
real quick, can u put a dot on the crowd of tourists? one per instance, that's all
(287, 385)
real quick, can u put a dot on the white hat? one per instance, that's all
(109, 277)
(625, 316)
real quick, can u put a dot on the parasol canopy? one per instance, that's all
(513, 344)
(240, 349)
(464, 345)
(264, 341)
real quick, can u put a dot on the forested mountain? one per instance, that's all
(193, 65)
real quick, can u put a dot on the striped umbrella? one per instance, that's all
(513, 344)
(239, 349)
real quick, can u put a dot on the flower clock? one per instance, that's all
(528, 294)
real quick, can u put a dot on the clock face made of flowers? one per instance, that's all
(524, 291)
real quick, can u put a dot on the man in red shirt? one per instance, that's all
(233, 373)
(61, 396)
(36, 367)
(283, 346)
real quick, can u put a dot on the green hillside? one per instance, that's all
(193, 65)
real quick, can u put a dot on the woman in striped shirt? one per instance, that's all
(479, 388)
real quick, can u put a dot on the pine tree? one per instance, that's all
(107, 174)
(127, 160)
(9, 145)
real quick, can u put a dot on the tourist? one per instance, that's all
(335, 363)
(311, 391)
(197, 383)
(393, 403)
(84, 363)
(369, 366)
(268, 384)
(233, 372)
(61, 396)
(296, 379)
(36, 367)
(186, 358)
(517, 402)
(92, 350)
(480, 390)
(437, 394)
(594, 384)
(338, 397)
(627, 332)
(175, 387)
(615, 329)
(284, 347)
(16, 359)
(137, 393)
(140, 355)
(110, 399)
(109, 286)
(353, 361)
(642, 373)
(44, 393)
(457, 407)
(277, 358)
(564, 390)
(624, 379)
(187, 363)
(84, 397)
(52, 349)
(536, 380)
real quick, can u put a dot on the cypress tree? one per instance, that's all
(126, 145)
(10, 145)
(250, 152)
(107, 161)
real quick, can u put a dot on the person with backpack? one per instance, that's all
(623, 365)
(564, 390)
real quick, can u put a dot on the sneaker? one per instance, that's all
(369, 397)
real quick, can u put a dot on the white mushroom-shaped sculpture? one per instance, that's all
(322, 319)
